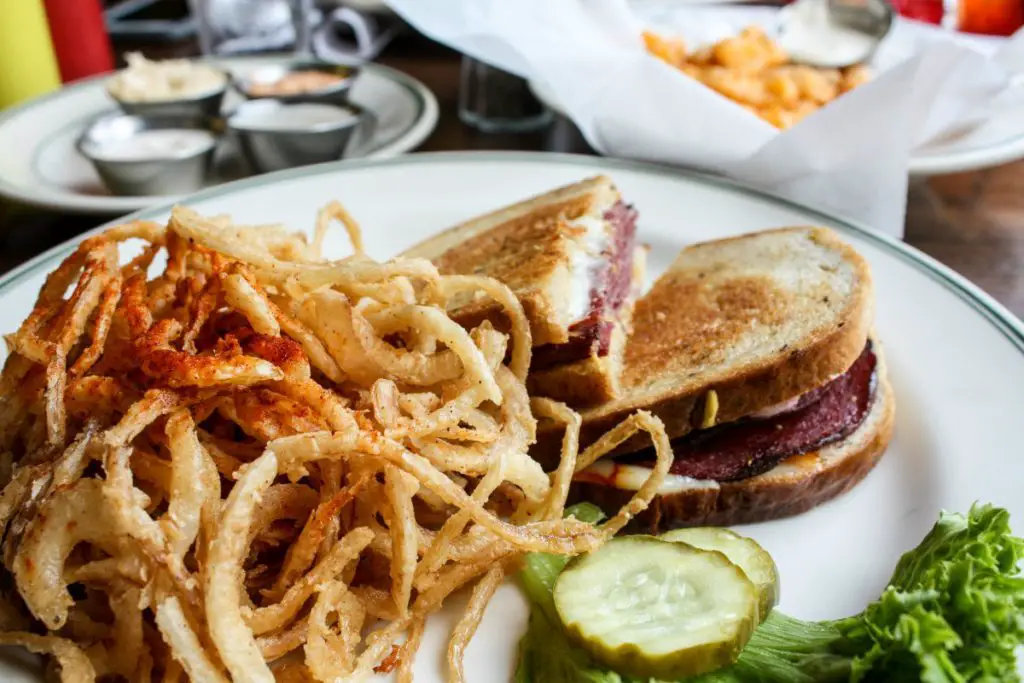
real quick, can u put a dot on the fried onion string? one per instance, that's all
(227, 456)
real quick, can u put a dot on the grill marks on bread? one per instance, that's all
(688, 323)
(759, 318)
(518, 253)
(526, 246)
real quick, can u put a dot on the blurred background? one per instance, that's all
(971, 220)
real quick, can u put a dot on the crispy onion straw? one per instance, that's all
(75, 666)
(483, 591)
(184, 644)
(400, 488)
(224, 456)
(335, 211)
(271, 617)
(331, 651)
(242, 295)
(71, 516)
(555, 503)
(235, 642)
(522, 340)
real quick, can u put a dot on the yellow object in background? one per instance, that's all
(28, 66)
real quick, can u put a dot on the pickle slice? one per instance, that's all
(743, 552)
(652, 608)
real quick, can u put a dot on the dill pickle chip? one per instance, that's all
(743, 552)
(652, 608)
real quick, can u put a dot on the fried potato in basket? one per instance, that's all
(754, 71)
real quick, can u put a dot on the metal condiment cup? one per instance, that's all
(333, 94)
(167, 175)
(269, 146)
(871, 18)
(206, 103)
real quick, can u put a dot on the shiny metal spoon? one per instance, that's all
(841, 32)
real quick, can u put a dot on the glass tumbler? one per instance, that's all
(495, 101)
(253, 26)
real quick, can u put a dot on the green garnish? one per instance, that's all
(953, 612)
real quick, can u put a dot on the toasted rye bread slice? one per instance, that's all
(528, 247)
(760, 319)
(792, 487)
(594, 379)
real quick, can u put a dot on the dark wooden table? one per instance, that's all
(973, 222)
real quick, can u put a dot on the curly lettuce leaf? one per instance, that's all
(953, 610)
(545, 654)
(786, 650)
(953, 613)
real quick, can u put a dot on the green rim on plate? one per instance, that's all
(413, 135)
(1005, 322)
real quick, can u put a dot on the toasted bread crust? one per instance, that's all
(670, 323)
(537, 308)
(524, 245)
(594, 379)
(584, 382)
(580, 196)
(793, 487)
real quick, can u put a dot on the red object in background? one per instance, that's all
(79, 37)
(994, 17)
(929, 11)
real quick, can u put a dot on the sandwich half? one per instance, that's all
(756, 352)
(570, 256)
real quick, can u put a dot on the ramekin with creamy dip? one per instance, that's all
(175, 87)
(301, 81)
(150, 156)
(172, 79)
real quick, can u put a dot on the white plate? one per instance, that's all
(41, 166)
(956, 358)
(997, 140)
